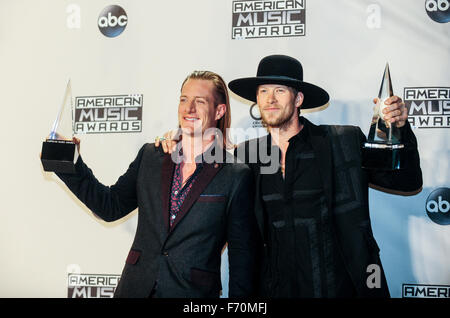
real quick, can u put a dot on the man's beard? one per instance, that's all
(280, 121)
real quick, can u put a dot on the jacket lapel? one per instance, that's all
(166, 182)
(259, 211)
(205, 176)
(263, 142)
(321, 144)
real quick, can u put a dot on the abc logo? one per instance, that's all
(112, 21)
(438, 206)
(438, 10)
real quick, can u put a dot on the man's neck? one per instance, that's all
(281, 136)
(194, 146)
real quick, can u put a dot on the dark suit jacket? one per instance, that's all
(184, 260)
(338, 152)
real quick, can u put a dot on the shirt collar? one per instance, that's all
(302, 134)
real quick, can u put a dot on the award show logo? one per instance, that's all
(428, 107)
(438, 10)
(108, 114)
(438, 206)
(425, 291)
(112, 21)
(268, 19)
(91, 285)
(256, 116)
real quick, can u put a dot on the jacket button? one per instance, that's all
(165, 253)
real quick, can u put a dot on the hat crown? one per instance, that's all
(282, 70)
(280, 65)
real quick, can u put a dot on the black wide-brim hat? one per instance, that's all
(284, 70)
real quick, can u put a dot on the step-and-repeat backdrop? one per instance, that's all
(51, 245)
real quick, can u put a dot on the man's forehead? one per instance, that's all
(195, 96)
(198, 88)
(272, 86)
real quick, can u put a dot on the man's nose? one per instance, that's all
(271, 97)
(190, 108)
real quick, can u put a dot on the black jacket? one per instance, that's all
(338, 152)
(184, 260)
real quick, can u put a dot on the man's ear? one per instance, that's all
(299, 99)
(221, 109)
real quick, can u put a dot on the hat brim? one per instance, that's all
(315, 98)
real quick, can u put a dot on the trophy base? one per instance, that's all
(380, 156)
(59, 156)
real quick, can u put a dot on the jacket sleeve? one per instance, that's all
(110, 203)
(404, 181)
(242, 239)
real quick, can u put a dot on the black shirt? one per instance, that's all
(304, 256)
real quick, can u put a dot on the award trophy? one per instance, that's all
(59, 154)
(383, 149)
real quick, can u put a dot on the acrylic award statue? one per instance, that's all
(384, 149)
(58, 153)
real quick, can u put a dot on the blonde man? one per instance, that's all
(189, 208)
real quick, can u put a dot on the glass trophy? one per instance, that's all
(384, 149)
(59, 153)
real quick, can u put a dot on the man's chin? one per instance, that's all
(277, 121)
(191, 132)
(273, 122)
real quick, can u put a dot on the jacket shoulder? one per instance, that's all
(340, 130)
(149, 149)
(234, 164)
